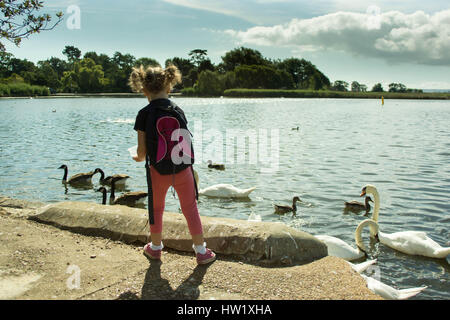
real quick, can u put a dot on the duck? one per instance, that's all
(103, 191)
(339, 248)
(223, 190)
(408, 242)
(389, 292)
(279, 209)
(356, 206)
(129, 198)
(80, 178)
(216, 166)
(297, 128)
(121, 179)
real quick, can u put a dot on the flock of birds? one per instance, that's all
(407, 242)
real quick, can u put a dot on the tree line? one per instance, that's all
(239, 68)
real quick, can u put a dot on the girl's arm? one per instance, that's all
(142, 147)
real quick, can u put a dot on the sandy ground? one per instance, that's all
(42, 262)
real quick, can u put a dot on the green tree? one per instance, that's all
(58, 65)
(85, 77)
(72, 53)
(242, 56)
(264, 77)
(47, 76)
(198, 56)
(20, 19)
(304, 73)
(206, 65)
(120, 71)
(397, 87)
(378, 88)
(340, 85)
(210, 83)
(146, 62)
(5, 64)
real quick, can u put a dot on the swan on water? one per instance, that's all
(408, 242)
(382, 289)
(339, 248)
(389, 292)
(361, 267)
(222, 190)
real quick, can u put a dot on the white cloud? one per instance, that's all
(394, 36)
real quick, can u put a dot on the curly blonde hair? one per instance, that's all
(153, 79)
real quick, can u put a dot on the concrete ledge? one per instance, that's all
(271, 242)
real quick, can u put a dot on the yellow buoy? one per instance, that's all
(382, 100)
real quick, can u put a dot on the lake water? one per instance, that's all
(403, 148)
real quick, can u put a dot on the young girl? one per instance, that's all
(156, 83)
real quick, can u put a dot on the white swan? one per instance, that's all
(361, 267)
(408, 242)
(338, 248)
(223, 190)
(388, 292)
(382, 289)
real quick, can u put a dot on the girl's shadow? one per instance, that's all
(157, 288)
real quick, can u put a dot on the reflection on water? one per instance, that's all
(340, 146)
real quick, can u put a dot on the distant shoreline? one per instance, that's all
(263, 93)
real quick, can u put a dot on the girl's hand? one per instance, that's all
(137, 159)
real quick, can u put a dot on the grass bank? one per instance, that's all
(269, 93)
(22, 90)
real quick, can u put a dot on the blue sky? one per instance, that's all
(404, 41)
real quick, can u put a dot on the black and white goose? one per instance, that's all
(121, 179)
(127, 199)
(80, 178)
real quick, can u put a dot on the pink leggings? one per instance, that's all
(183, 183)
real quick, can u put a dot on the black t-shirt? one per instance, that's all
(141, 118)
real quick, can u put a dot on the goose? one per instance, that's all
(408, 242)
(356, 206)
(127, 199)
(389, 292)
(80, 178)
(285, 209)
(339, 248)
(297, 128)
(222, 190)
(215, 165)
(103, 191)
(121, 179)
